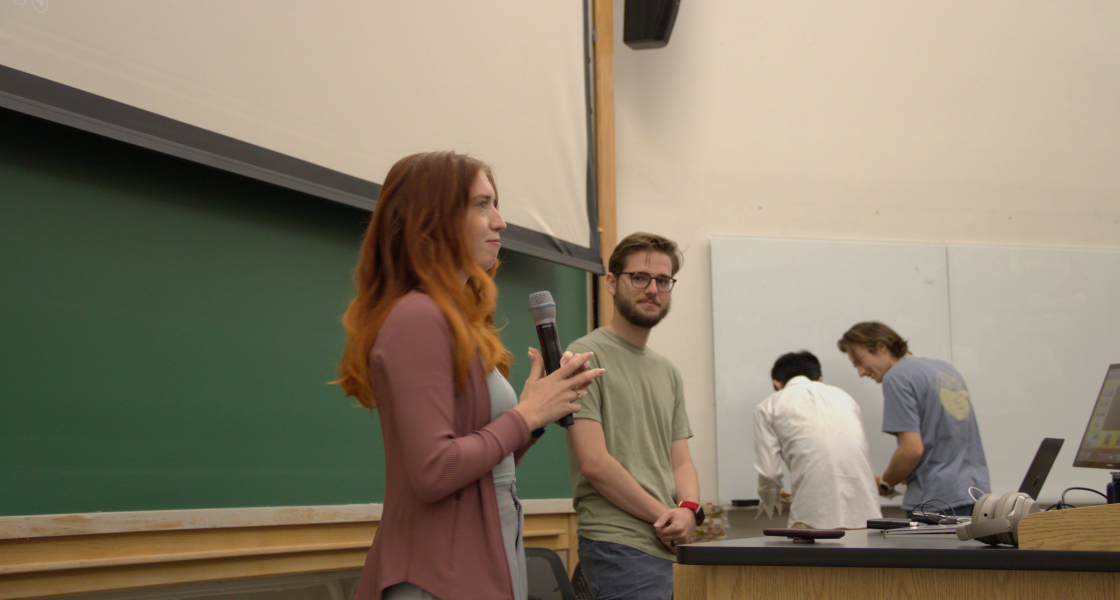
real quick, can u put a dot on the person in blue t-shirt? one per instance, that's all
(926, 405)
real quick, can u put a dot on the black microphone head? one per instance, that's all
(542, 308)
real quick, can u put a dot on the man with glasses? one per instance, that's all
(635, 487)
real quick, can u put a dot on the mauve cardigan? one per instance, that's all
(439, 527)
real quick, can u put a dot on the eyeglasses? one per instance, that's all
(641, 281)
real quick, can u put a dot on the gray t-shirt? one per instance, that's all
(640, 403)
(930, 397)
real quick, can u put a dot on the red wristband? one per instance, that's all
(689, 505)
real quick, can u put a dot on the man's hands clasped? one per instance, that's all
(676, 526)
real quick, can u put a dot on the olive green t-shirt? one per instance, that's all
(640, 402)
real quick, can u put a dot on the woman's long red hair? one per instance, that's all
(415, 241)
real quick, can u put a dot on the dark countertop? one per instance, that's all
(871, 548)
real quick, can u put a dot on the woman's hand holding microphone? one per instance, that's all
(546, 399)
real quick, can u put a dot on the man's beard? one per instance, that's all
(629, 311)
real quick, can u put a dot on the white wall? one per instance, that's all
(958, 122)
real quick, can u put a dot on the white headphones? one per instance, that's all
(995, 520)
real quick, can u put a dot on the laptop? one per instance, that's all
(1032, 484)
(1040, 466)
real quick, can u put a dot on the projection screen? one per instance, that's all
(324, 97)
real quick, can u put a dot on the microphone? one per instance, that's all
(543, 311)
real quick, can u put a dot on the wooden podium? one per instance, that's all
(1092, 528)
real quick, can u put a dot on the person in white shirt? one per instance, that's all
(816, 429)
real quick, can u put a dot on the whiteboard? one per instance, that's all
(1032, 331)
(772, 296)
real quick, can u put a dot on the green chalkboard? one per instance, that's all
(168, 331)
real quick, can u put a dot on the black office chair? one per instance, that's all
(580, 585)
(548, 580)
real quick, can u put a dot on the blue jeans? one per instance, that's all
(963, 511)
(619, 572)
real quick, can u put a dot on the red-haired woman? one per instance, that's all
(422, 349)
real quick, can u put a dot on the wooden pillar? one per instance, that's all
(604, 144)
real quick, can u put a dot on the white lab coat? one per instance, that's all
(816, 429)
